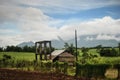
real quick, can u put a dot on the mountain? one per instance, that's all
(82, 42)
(30, 43)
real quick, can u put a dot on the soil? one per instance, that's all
(14, 74)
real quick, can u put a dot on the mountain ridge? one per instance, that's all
(82, 42)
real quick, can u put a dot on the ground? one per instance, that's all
(13, 74)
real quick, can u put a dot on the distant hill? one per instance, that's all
(30, 43)
(82, 42)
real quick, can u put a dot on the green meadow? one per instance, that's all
(19, 55)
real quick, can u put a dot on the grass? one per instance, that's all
(111, 73)
(31, 56)
(19, 55)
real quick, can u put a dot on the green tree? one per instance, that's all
(108, 52)
(85, 51)
(1, 49)
(98, 48)
(70, 48)
(119, 47)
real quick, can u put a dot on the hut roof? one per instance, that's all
(56, 53)
(66, 54)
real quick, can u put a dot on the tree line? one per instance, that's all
(17, 49)
(102, 51)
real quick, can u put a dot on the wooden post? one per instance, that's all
(40, 50)
(76, 44)
(50, 49)
(36, 57)
(45, 50)
(119, 47)
(36, 51)
(76, 72)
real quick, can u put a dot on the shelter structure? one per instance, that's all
(62, 56)
(42, 49)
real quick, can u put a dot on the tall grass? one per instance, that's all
(20, 55)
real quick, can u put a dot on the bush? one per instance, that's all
(91, 70)
(118, 68)
(108, 52)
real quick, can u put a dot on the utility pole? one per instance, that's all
(76, 44)
(119, 47)
(76, 72)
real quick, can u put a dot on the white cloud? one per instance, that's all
(107, 37)
(10, 40)
(35, 25)
(105, 25)
(31, 25)
(88, 38)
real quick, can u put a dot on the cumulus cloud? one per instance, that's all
(33, 24)
(105, 28)
(27, 24)
(107, 37)
(105, 25)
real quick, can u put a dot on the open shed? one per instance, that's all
(62, 56)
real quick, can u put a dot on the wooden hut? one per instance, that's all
(62, 56)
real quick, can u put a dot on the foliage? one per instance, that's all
(91, 70)
(19, 49)
(86, 56)
(1, 49)
(108, 52)
(70, 48)
(119, 47)
(84, 51)
(19, 55)
(98, 48)
(118, 68)
(83, 70)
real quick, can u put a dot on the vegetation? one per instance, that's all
(19, 55)
(70, 48)
(17, 49)
(92, 62)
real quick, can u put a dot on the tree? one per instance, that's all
(17, 49)
(119, 47)
(108, 52)
(98, 48)
(85, 51)
(70, 48)
(1, 49)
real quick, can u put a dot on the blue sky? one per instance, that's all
(34, 20)
(112, 11)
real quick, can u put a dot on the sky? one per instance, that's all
(36, 20)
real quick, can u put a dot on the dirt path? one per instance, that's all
(9, 74)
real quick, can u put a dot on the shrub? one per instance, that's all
(91, 70)
(108, 52)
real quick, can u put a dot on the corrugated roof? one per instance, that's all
(55, 53)
(66, 54)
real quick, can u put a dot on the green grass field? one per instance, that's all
(19, 55)
(31, 56)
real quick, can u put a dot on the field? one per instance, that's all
(31, 57)
(20, 55)
(25, 61)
